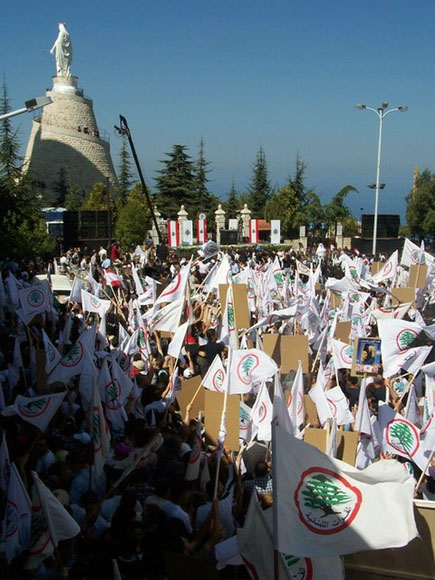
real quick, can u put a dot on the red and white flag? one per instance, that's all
(176, 289)
(262, 414)
(52, 355)
(35, 299)
(72, 363)
(167, 318)
(17, 516)
(201, 231)
(112, 279)
(173, 233)
(388, 270)
(253, 232)
(329, 508)
(37, 411)
(248, 368)
(342, 354)
(215, 376)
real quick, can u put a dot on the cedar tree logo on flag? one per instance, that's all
(245, 367)
(353, 273)
(402, 436)
(11, 518)
(405, 338)
(34, 408)
(262, 412)
(415, 256)
(346, 354)
(278, 277)
(35, 299)
(326, 502)
(299, 567)
(244, 420)
(218, 380)
(95, 302)
(300, 402)
(73, 357)
(113, 395)
(230, 313)
(124, 361)
(355, 297)
(356, 320)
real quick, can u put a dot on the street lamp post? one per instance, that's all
(381, 112)
(29, 106)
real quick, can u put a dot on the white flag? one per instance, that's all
(35, 299)
(247, 368)
(275, 231)
(52, 355)
(262, 414)
(339, 405)
(329, 508)
(167, 318)
(100, 435)
(18, 507)
(35, 410)
(388, 270)
(342, 353)
(296, 400)
(215, 376)
(91, 303)
(72, 363)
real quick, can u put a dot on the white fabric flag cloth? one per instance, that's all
(339, 406)
(17, 516)
(100, 435)
(166, 318)
(428, 407)
(229, 332)
(400, 436)
(91, 303)
(37, 411)
(255, 544)
(329, 508)
(177, 287)
(414, 255)
(215, 376)
(61, 525)
(35, 299)
(280, 410)
(247, 368)
(262, 414)
(296, 400)
(52, 355)
(342, 353)
(76, 290)
(388, 270)
(187, 233)
(275, 231)
(72, 363)
(324, 411)
(176, 344)
(397, 312)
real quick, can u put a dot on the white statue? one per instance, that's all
(63, 48)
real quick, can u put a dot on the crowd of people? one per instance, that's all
(143, 507)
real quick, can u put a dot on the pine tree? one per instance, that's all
(177, 183)
(259, 191)
(201, 177)
(232, 204)
(297, 182)
(10, 161)
(60, 188)
(125, 174)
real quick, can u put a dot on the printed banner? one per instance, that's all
(201, 231)
(253, 231)
(187, 233)
(275, 231)
(173, 234)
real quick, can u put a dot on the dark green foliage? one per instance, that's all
(125, 174)
(420, 212)
(232, 205)
(259, 190)
(177, 184)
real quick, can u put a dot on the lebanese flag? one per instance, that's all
(112, 279)
(37, 411)
(329, 508)
(253, 231)
(173, 234)
(201, 231)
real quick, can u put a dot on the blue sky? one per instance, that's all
(285, 75)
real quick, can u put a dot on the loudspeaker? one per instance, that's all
(228, 237)
(388, 225)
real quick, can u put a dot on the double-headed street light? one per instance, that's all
(29, 106)
(381, 112)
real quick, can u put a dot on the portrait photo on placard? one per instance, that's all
(367, 356)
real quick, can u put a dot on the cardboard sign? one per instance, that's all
(241, 309)
(347, 444)
(342, 331)
(272, 346)
(294, 348)
(310, 410)
(402, 296)
(418, 275)
(375, 267)
(335, 300)
(212, 418)
(318, 438)
(189, 387)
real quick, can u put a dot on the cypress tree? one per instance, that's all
(259, 191)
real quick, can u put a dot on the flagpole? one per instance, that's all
(275, 506)
(423, 473)
(223, 419)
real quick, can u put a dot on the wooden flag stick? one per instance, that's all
(429, 461)
(196, 394)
